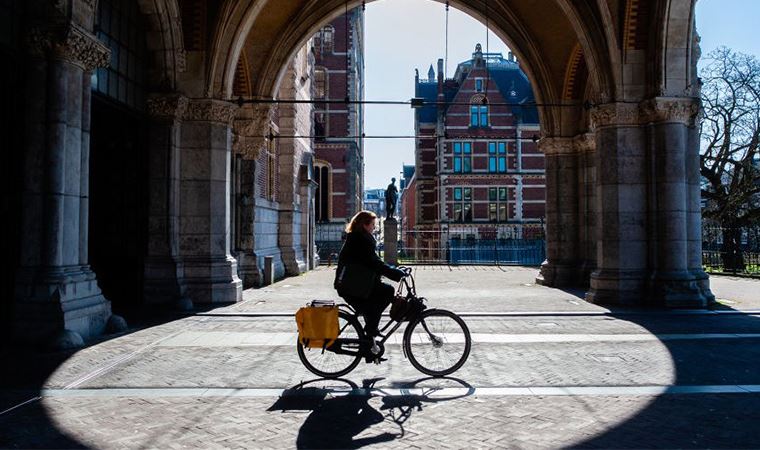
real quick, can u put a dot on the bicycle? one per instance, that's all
(436, 341)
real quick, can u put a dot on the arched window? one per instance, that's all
(322, 197)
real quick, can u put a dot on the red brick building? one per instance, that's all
(338, 148)
(478, 174)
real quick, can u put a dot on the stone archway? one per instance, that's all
(605, 114)
(617, 130)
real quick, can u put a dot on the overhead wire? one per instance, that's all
(273, 136)
(413, 102)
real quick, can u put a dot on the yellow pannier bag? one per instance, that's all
(317, 325)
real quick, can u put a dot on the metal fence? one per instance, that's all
(743, 258)
(329, 240)
(487, 244)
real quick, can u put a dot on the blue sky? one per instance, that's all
(402, 35)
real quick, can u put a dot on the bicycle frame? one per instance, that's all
(406, 284)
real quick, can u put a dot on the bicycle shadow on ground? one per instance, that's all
(343, 417)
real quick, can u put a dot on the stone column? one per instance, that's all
(585, 145)
(561, 265)
(676, 277)
(205, 147)
(57, 296)
(621, 197)
(308, 189)
(252, 122)
(163, 265)
(294, 120)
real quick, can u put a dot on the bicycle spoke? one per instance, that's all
(439, 343)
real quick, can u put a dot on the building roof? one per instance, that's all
(512, 82)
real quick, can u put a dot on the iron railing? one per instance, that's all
(489, 244)
(741, 258)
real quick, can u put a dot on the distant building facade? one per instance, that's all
(338, 147)
(374, 200)
(478, 171)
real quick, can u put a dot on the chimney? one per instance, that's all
(440, 76)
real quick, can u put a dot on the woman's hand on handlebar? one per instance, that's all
(407, 270)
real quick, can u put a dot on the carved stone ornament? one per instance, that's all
(556, 145)
(210, 110)
(251, 131)
(585, 142)
(82, 48)
(71, 43)
(170, 107)
(248, 147)
(683, 110)
(615, 114)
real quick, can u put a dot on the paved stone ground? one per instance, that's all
(477, 289)
(547, 370)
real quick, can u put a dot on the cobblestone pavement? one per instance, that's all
(547, 370)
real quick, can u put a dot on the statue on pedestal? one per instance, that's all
(391, 196)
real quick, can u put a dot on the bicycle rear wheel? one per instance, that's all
(342, 356)
(437, 342)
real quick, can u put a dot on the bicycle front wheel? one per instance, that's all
(437, 342)
(342, 356)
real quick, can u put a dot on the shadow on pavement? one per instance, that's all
(339, 416)
(344, 420)
(704, 420)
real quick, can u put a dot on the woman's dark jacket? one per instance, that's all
(359, 248)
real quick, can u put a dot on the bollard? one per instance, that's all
(268, 270)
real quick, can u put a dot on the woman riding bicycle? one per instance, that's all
(359, 249)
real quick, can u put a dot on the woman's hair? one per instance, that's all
(359, 220)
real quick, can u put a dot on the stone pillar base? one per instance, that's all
(390, 241)
(248, 269)
(682, 289)
(49, 304)
(293, 265)
(212, 280)
(617, 287)
(162, 285)
(558, 275)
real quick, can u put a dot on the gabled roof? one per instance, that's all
(506, 74)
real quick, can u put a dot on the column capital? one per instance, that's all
(251, 130)
(210, 110)
(70, 43)
(556, 145)
(585, 142)
(167, 107)
(682, 110)
(614, 114)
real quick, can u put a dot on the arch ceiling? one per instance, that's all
(557, 41)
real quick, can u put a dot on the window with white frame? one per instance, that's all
(498, 204)
(479, 115)
(327, 38)
(461, 207)
(462, 157)
(497, 157)
(320, 83)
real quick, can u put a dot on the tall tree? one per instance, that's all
(730, 135)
